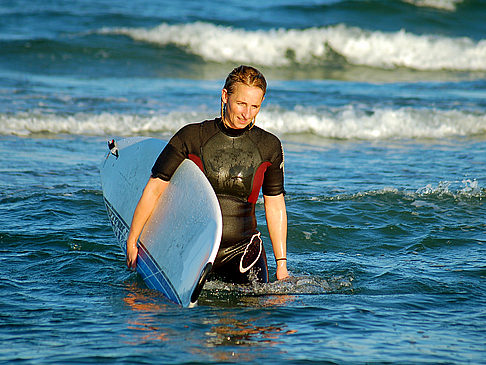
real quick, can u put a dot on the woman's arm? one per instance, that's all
(151, 193)
(276, 216)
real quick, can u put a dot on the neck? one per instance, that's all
(232, 132)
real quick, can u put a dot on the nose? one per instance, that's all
(247, 112)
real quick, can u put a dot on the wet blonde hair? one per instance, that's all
(247, 75)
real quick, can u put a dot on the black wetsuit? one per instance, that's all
(237, 163)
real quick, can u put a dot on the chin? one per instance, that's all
(242, 125)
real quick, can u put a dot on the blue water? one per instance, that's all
(381, 107)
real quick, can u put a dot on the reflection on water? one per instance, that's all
(231, 338)
(218, 328)
(146, 303)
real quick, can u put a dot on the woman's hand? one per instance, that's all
(282, 272)
(132, 252)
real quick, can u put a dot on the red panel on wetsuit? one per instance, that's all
(197, 160)
(257, 182)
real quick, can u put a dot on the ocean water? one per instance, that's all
(381, 108)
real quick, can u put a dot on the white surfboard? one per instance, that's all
(181, 238)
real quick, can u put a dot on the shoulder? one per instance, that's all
(194, 129)
(262, 136)
(268, 144)
(188, 129)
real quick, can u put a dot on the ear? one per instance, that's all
(224, 96)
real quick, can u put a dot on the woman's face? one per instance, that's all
(242, 105)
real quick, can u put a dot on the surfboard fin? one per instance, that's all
(113, 148)
(202, 279)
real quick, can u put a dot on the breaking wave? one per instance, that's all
(339, 123)
(286, 47)
(450, 5)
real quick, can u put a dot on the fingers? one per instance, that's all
(131, 264)
(132, 253)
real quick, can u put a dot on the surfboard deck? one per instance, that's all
(179, 242)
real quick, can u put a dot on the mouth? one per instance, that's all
(244, 121)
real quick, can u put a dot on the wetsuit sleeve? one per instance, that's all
(273, 181)
(171, 156)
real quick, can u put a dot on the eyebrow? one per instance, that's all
(244, 102)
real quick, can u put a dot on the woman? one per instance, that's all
(238, 159)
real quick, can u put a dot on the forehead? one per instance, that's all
(250, 94)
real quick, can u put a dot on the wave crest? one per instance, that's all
(449, 5)
(285, 47)
(341, 123)
(459, 190)
(353, 123)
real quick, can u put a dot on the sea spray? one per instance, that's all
(294, 285)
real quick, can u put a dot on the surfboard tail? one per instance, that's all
(202, 279)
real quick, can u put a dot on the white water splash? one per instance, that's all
(285, 47)
(466, 188)
(449, 5)
(347, 122)
(294, 285)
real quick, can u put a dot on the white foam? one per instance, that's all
(354, 123)
(466, 188)
(449, 5)
(293, 285)
(106, 124)
(284, 47)
(422, 197)
(342, 123)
